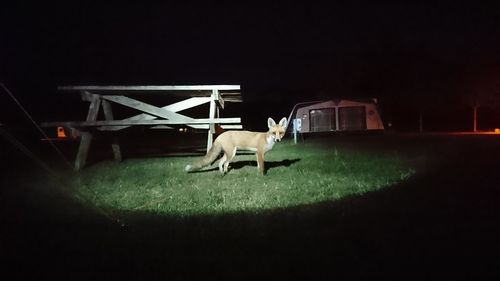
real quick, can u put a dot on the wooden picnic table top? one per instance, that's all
(230, 93)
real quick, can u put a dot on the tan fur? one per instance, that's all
(212, 154)
(229, 142)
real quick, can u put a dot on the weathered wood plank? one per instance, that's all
(77, 124)
(145, 107)
(87, 96)
(108, 115)
(211, 115)
(203, 127)
(175, 107)
(152, 88)
(186, 104)
(83, 150)
(95, 104)
(86, 140)
(232, 127)
(231, 96)
(218, 98)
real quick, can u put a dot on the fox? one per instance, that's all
(230, 141)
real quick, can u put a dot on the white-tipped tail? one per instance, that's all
(207, 160)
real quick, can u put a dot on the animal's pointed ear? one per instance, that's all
(270, 122)
(283, 122)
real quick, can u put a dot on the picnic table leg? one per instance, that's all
(108, 114)
(83, 149)
(86, 140)
(211, 127)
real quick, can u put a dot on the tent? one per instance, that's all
(339, 115)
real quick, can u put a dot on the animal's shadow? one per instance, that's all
(236, 165)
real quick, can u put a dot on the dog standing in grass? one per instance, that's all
(229, 142)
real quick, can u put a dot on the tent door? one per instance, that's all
(352, 118)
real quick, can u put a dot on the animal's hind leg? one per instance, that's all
(222, 161)
(226, 165)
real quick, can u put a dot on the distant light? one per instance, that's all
(60, 133)
(497, 131)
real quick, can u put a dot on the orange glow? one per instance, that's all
(497, 131)
(60, 132)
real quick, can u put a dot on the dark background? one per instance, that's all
(440, 58)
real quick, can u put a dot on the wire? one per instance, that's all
(29, 153)
(55, 176)
(25, 150)
(36, 125)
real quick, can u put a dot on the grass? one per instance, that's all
(344, 208)
(297, 175)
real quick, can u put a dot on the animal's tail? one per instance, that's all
(207, 160)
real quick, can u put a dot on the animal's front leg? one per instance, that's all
(260, 162)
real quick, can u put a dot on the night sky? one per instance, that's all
(281, 52)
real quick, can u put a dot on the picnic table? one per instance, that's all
(164, 116)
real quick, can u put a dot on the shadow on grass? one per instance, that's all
(439, 225)
(236, 165)
(267, 164)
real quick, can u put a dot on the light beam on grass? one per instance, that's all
(297, 175)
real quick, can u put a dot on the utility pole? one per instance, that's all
(475, 118)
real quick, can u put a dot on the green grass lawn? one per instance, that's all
(339, 207)
(300, 174)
